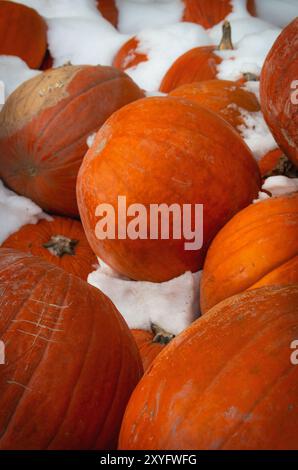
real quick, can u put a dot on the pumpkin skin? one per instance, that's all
(73, 254)
(109, 11)
(161, 166)
(67, 350)
(209, 13)
(221, 96)
(197, 64)
(254, 251)
(279, 72)
(23, 33)
(226, 382)
(127, 56)
(148, 349)
(44, 127)
(269, 161)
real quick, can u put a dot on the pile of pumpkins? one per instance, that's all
(72, 366)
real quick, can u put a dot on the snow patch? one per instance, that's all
(172, 305)
(13, 72)
(280, 185)
(16, 211)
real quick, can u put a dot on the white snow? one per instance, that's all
(16, 211)
(83, 41)
(279, 185)
(13, 72)
(90, 139)
(277, 12)
(135, 16)
(256, 133)
(63, 8)
(163, 46)
(248, 56)
(172, 305)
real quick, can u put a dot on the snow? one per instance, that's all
(248, 56)
(280, 185)
(80, 41)
(16, 211)
(135, 16)
(64, 8)
(256, 133)
(278, 12)
(13, 72)
(172, 305)
(163, 46)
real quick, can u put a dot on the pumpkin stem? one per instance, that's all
(250, 77)
(226, 40)
(161, 336)
(58, 245)
(283, 167)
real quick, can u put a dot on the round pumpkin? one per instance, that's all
(70, 360)
(163, 150)
(257, 247)
(44, 127)
(128, 55)
(275, 163)
(61, 241)
(109, 11)
(226, 382)
(209, 13)
(279, 90)
(150, 344)
(23, 33)
(197, 64)
(221, 96)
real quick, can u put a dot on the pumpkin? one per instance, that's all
(209, 13)
(44, 127)
(128, 55)
(259, 246)
(70, 360)
(61, 241)
(278, 90)
(150, 343)
(47, 62)
(196, 64)
(226, 382)
(163, 150)
(109, 11)
(221, 96)
(23, 33)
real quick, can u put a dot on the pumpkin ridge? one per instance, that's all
(71, 100)
(76, 379)
(234, 355)
(36, 368)
(265, 395)
(25, 300)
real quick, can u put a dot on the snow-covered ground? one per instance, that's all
(78, 33)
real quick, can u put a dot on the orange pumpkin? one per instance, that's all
(269, 161)
(150, 344)
(128, 55)
(44, 127)
(23, 33)
(164, 150)
(226, 382)
(61, 241)
(258, 247)
(109, 11)
(196, 64)
(47, 62)
(224, 97)
(279, 91)
(209, 13)
(70, 360)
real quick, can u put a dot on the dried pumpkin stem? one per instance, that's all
(250, 77)
(161, 336)
(58, 245)
(283, 167)
(226, 40)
